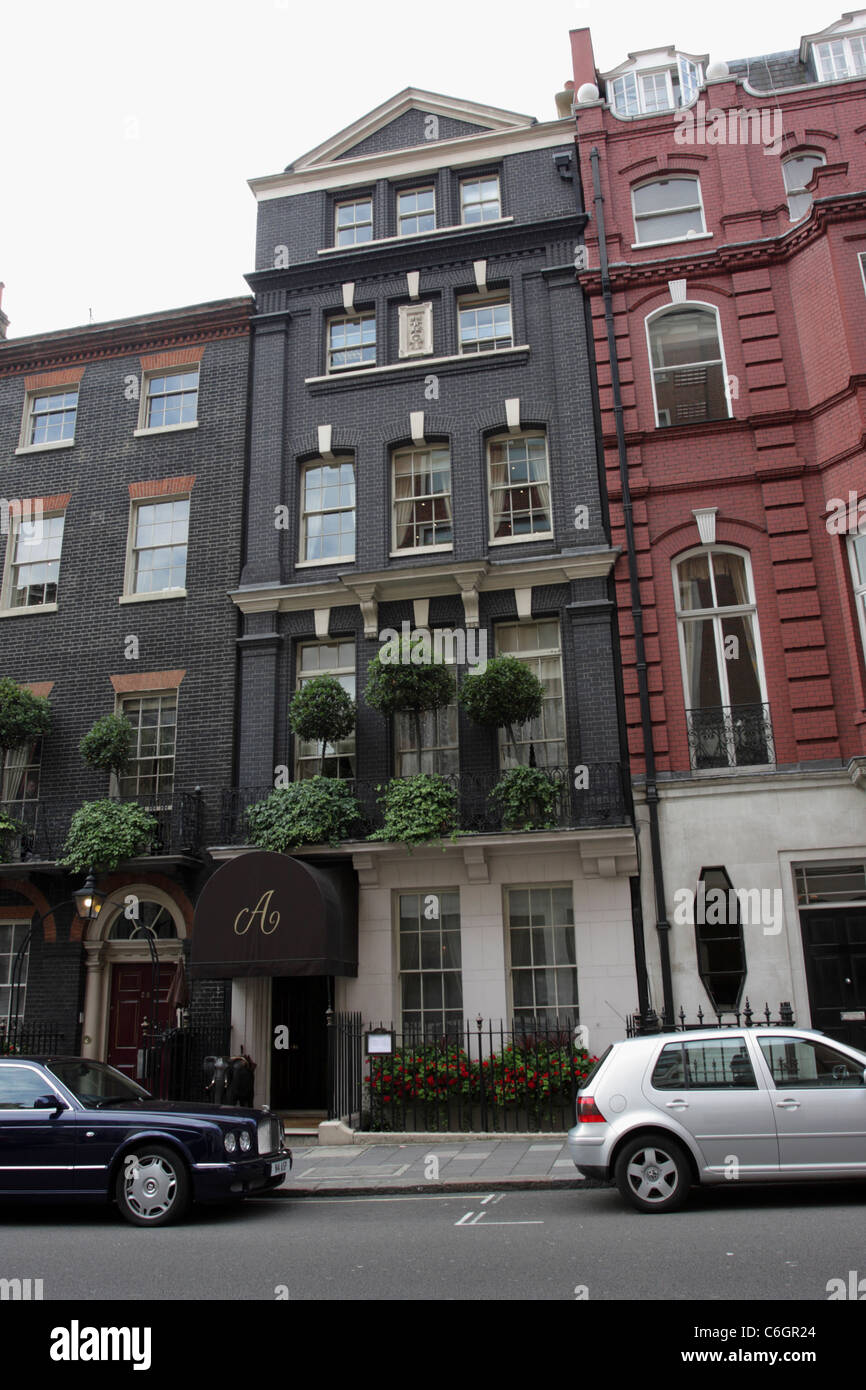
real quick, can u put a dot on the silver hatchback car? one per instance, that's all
(658, 1114)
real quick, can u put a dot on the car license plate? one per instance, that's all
(279, 1167)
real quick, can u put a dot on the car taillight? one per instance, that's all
(588, 1112)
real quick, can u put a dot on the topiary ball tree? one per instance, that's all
(405, 677)
(23, 716)
(322, 712)
(507, 693)
(107, 747)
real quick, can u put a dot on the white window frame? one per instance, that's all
(544, 1009)
(849, 60)
(7, 588)
(395, 501)
(493, 539)
(147, 378)
(469, 302)
(670, 309)
(157, 798)
(530, 658)
(401, 217)
(716, 614)
(861, 259)
(646, 218)
(424, 894)
(28, 417)
(130, 594)
(346, 747)
(338, 461)
(790, 193)
(355, 224)
(859, 587)
(31, 768)
(24, 982)
(480, 178)
(334, 321)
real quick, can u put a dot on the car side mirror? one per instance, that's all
(50, 1102)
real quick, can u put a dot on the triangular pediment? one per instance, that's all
(410, 119)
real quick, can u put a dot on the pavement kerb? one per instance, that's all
(444, 1137)
(468, 1185)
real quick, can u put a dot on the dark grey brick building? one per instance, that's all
(423, 451)
(122, 449)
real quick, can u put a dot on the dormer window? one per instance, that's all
(840, 58)
(645, 93)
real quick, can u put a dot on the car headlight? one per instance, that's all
(245, 1140)
(230, 1141)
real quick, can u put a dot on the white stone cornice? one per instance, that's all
(427, 581)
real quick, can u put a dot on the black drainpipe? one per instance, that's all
(662, 924)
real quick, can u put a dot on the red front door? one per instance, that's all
(129, 1007)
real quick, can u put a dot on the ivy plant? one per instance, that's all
(403, 678)
(318, 810)
(525, 798)
(506, 694)
(23, 715)
(103, 833)
(322, 712)
(417, 810)
(107, 747)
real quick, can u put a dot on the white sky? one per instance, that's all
(129, 131)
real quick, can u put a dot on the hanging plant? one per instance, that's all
(322, 712)
(526, 799)
(316, 811)
(103, 833)
(417, 810)
(506, 694)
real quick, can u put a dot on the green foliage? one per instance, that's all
(525, 798)
(505, 694)
(108, 745)
(23, 716)
(103, 833)
(316, 811)
(527, 1073)
(10, 826)
(418, 809)
(323, 712)
(415, 687)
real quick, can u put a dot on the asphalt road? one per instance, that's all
(755, 1244)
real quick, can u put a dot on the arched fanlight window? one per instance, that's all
(723, 676)
(688, 365)
(151, 916)
(719, 940)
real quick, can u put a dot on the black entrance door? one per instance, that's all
(835, 947)
(299, 1070)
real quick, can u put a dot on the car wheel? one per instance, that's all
(652, 1172)
(153, 1186)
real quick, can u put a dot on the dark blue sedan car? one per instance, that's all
(75, 1129)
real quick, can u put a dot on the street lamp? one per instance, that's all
(88, 909)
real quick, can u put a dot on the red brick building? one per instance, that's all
(733, 202)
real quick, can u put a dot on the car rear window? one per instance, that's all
(595, 1066)
(719, 1064)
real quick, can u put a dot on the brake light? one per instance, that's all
(588, 1112)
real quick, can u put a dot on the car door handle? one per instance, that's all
(788, 1104)
(676, 1105)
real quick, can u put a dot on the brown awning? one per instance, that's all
(268, 914)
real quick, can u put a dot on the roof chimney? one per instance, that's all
(4, 322)
(582, 57)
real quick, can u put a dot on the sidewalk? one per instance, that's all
(439, 1164)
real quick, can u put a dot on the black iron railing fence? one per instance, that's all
(174, 1062)
(481, 1077)
(45, 825)
(18, 1037)
(730, 736)
(593, 795)
(732, 1018)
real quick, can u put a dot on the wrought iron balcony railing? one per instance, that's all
(730, 736)
(603, 801)
(46, 822)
